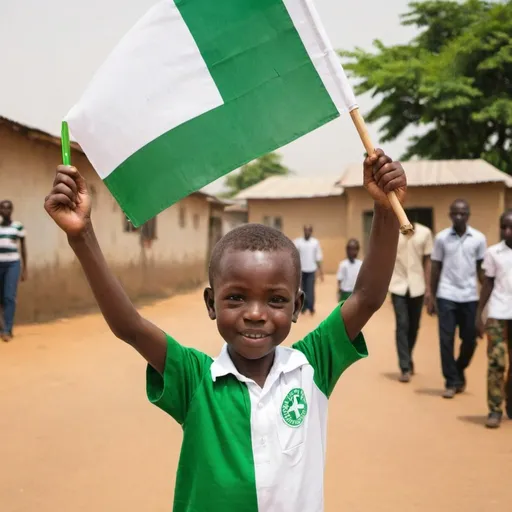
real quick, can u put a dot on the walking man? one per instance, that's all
(410, 289)
(311, 262)
(497, 291)
(12, 266)
(456, 263)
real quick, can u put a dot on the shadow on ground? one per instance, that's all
(429, 391)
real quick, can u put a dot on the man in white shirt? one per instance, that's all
(410, 289)
(497, 291)
(456, 263)
(311, 262)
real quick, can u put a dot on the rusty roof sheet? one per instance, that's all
(423, 173)
(292, 187)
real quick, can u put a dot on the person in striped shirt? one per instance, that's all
(254, 419)
(13, 264)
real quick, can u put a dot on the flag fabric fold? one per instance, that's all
(198, 88)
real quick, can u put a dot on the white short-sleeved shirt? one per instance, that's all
(498, 265)
(459, 255)
(347, 274)
(310, 253)
(409, 274)
(249, 448)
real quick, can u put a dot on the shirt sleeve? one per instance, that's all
(429, 244)
(482, 248)
(173, 391)
(21, 231)
(319, 255)
(489, 265)
(330, 352)
(339, 275)
(438, 252)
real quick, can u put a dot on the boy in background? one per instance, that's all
(497, 291)
(348, 270)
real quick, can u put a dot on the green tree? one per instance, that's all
(254, 172)
(454, 80)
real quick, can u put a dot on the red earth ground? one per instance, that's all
(77, 434)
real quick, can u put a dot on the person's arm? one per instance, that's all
(482, 248)
(69, 205)
(485, 293)
(381, 176)
(319, 258)
(24, 267)
(427, 270)
(435, 274)
(489, 270)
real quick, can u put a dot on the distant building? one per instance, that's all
(168, 253)
(340, 209)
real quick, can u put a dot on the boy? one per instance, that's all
(348, 270)
(13, 265)
(497, 290)
(254, 419)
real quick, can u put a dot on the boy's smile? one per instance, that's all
(255, 299)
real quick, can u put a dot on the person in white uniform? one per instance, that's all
(497, 293)
(348, 270)
(456, 263)
(310, 262)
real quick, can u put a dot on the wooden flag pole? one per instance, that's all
(405, 226)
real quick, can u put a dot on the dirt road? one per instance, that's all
(77, 434)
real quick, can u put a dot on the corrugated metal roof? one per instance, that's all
(422, 173)
(292, 187)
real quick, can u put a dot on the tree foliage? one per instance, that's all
(254, 172)
(454, 79)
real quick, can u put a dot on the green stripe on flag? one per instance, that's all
(272, 95)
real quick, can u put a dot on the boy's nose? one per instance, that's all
(255, 312)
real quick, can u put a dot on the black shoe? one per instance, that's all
(493, 420)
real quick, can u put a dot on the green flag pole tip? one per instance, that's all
(66, 147)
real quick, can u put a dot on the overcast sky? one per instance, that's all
(51, 48)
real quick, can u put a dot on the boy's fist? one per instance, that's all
(69, 203)
(382, 176)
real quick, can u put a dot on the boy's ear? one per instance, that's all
(298, 305)
(210, 303)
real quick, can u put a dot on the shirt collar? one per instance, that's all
(469, 232)
(285, 361)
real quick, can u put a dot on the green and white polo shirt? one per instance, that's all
(9, 236)
(252, 449)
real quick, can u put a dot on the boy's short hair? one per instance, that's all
(253, 237)
(353, 241)
(505, 214)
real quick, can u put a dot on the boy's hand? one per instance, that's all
(382, 176)
(69, 202)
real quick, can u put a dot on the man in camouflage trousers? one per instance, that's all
(497, 290)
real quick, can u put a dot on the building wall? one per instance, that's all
(56, 286)
(326, 215)
(487, 202)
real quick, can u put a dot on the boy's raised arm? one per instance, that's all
(381, 176)
(69, 205)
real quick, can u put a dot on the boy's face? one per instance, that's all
(6, 209)
(506, 229)
(459, 214)
(352, 250)
(255, 298)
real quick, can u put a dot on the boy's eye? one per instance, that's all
(278, 300)
(234, 297)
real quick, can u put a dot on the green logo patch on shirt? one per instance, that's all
(294, 408)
